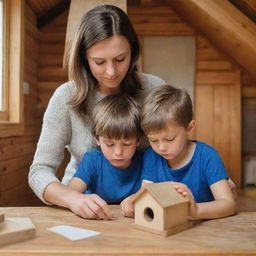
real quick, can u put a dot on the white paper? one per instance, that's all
(73, 233)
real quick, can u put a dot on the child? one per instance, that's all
(194, 167)
(112, 174)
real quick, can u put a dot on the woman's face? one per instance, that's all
(109, 61)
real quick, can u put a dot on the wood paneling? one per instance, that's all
(160, 20)
(214, 65)
(248, 7)
(16, 153)
(41, 7)
(235, 134)
(204, 110)
(50, 71)
(217, 84)
(217, 99)
(216, 77)
(225, 26)
(249, 92)
(218, 106)
(249, 85)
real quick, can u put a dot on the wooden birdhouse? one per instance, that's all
(160, 209)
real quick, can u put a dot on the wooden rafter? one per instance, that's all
(52, 13)
(248, 7)
(225, 26)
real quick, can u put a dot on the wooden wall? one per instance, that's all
(217, 85)
(248, 117)
(218, 105)
(16, 153)
(51, 49)
(51, 73)
(217, 99)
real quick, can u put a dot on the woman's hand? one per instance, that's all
(127, 207)
(90, 206)
(186, 192)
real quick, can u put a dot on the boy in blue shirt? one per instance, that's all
(194, 167)
(113, 173)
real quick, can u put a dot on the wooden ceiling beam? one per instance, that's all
(225, 26)
(53, 13)
(248, 7)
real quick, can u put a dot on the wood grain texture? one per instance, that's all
(1, 217)
(229, 236)
(167, 232)
(158, 21)
(158, 207)
(15, 230)
(225, 26)
(16, 153)
(218, 106)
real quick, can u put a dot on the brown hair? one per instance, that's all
(98, 24)
(166, 104)
(116, 116)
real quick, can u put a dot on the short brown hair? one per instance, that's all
(166, 104)
(116, 116)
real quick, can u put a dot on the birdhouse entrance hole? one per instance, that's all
(149, 214)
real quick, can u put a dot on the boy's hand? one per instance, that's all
(186, 192)
(127, 207)
(90, 206)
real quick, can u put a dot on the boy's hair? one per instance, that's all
(166, 104)
(116, 116)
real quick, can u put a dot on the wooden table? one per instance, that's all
(234, 235)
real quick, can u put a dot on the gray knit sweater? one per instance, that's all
(64, 127)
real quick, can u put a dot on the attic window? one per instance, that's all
(11, 59)
(149, 214)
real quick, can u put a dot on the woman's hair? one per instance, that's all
(163, 105)
(116, 116)
(100, 23)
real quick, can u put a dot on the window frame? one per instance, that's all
(11, 118)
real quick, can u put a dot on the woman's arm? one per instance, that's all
(224, 204)
(86, 206)
(55, 135)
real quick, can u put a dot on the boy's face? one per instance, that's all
(118, 152)
(170, 142)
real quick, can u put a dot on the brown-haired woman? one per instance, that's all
(101, 61)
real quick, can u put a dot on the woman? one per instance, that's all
(101, 61)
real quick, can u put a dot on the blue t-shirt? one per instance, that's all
(204, 169)
(110, 183)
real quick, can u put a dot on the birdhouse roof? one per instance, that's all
(163, 192)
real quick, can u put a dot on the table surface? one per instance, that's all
(228, 236)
